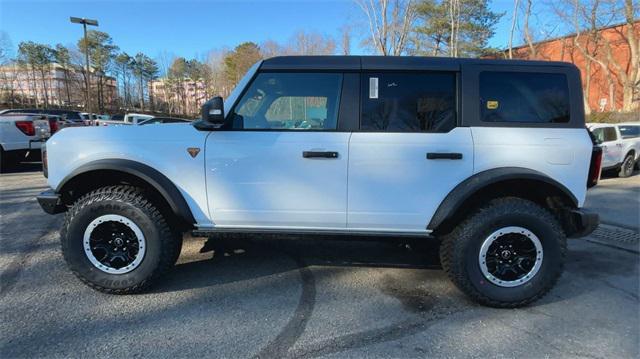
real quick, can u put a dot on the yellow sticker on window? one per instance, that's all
(492, 105)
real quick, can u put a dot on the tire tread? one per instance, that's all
(133, 196)
(454, 244)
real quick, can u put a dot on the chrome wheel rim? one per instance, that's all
(114, 244)
(510, 256)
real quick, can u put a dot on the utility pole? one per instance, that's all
(85, 22)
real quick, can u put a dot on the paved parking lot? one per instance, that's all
(300, 298)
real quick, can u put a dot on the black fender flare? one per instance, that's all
(155, 178)
(465, 189)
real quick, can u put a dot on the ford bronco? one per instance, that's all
(491, 158)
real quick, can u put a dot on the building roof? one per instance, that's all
(373, 63)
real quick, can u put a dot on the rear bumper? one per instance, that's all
(51, 202)
(583, 223)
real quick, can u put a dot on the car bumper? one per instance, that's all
(51, 202)
(584, 223)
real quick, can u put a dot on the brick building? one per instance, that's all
(600, 56)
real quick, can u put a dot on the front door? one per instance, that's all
(409, 153)
(280, 161)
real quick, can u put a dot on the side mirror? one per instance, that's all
(213, 111)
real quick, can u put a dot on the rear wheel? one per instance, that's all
(115, 240)
(507, 254)
(626, 169)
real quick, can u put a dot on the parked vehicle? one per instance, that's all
(620, 144)
(68, 115)
(134, 118)
(160, 120)
(489, 157)
(55, 123)
(21, 136)
(116, 120)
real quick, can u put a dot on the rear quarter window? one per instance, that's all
(524, 97)
(630, 131)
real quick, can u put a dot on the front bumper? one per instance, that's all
(51, 202)
(583, 222)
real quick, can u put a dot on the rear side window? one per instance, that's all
(524, 97)
(629, 131)
(604, 134)
(408, 102)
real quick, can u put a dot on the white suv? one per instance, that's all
(620, 144)
(491, 158)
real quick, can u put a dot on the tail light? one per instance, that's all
(53, 125)
(595, 168)
(45, 162)
(26, 127)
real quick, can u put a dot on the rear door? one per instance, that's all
(280, 162)
(409, 153)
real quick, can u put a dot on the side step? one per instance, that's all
(315, 232)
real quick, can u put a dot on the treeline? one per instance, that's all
(177, 85)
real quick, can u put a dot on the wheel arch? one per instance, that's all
(106, 172)
(501, 182)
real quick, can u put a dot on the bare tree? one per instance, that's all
(514, 21)
(598, 43)
(311, 43)
(345, 43)
(390, 23)
(526, 29)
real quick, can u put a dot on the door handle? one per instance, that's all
(444, 156)
(320, 154)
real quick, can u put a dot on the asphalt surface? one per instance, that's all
(302, 298)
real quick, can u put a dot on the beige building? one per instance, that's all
(56, 87)
(183, 97)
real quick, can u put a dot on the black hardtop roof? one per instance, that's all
(356, 63)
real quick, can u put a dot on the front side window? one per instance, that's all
(524, 97)
(408, 102)
(289, 101)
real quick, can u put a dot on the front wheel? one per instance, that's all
(506, 254)
(116, 241)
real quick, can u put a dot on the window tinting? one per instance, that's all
(524, 97)
(629, 131)
(408, 102)
(290, 101)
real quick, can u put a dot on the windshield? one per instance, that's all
(233, 97)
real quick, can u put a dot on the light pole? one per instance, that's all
(85, 22)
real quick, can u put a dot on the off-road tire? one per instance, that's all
(162, 244)
(460, 249)
(627, 166)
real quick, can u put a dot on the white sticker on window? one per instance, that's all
(373, 87)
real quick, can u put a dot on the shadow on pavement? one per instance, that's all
(240, 255)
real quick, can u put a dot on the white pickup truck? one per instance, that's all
(128, 119)
(620, 145)
(21, 136)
